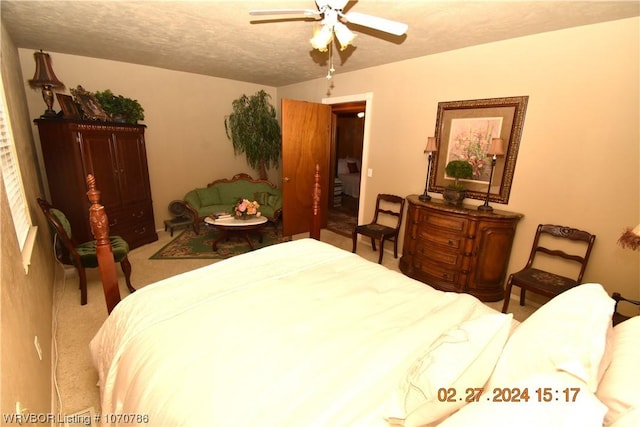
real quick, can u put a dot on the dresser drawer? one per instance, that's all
(431, 236)
(447, 258)
(130, 215)
(440, 274)
(136, 234)
(446, 222)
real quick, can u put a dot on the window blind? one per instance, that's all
(11, 176)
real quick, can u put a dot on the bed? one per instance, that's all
(306, 334)
(349, 170)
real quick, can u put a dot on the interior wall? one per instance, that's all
(579, 158)
(187, 146)
(25, 298)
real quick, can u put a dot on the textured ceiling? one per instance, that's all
(219, 38)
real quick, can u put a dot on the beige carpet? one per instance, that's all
(76, 379)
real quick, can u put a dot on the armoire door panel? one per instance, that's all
(99, 159)
(132, 168)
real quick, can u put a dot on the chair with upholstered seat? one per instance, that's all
(569, 244)
(83, 255)
(390, 207)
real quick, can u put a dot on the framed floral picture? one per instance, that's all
(464, 130)
(91, 108)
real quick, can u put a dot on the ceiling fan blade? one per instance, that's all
(382, 24)
(306, 12)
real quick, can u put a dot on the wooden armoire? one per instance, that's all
(116, 155)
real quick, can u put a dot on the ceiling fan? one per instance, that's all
(331, 13)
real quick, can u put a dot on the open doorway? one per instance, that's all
(346, 165)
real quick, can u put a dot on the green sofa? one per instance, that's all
(223, 194)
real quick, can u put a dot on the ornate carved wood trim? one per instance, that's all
(100, 229)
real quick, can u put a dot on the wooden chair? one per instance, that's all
(83, 255)
(388, 205)
(617, 316)
(545, 282)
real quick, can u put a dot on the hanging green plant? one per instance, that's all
(253, 130)
(119, 107)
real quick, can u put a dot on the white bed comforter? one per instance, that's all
(295, 334)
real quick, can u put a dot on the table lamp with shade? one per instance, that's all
(496, 148)
(46, 79)
(431, 147)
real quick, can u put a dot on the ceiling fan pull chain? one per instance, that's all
(331, 70)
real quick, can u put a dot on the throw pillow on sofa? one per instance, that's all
(208, 196)
(265, 198)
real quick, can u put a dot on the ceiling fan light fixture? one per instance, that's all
(322, 36)
(344, 35)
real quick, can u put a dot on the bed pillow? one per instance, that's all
(585, 411)
(342, 166)
(619, 388)
(462, 357)
(262, 197)
(566, 334)
(353, 167)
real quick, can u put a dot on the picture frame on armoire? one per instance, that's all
(464, 130)
(91, 108)
(68, 106)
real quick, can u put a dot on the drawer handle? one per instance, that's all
(140, 214)
(115, 221)
(450, 242)
(141, 230)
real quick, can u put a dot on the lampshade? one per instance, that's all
(431, 145)
(344, 35)
(322, 36)
(44, 75)
(496, 148)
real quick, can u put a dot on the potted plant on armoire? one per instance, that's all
(253, 130)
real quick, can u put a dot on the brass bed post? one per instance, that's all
(100, 230)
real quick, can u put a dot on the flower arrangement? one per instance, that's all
(245, 208)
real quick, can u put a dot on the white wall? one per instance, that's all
(579, 158)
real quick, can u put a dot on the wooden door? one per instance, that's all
(306, 139)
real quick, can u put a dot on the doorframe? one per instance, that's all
(367, 97)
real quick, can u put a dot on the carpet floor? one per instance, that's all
(189, 245)
(342, 219)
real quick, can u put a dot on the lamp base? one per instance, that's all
(49, 114)
(424, 197)
(485, 208)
